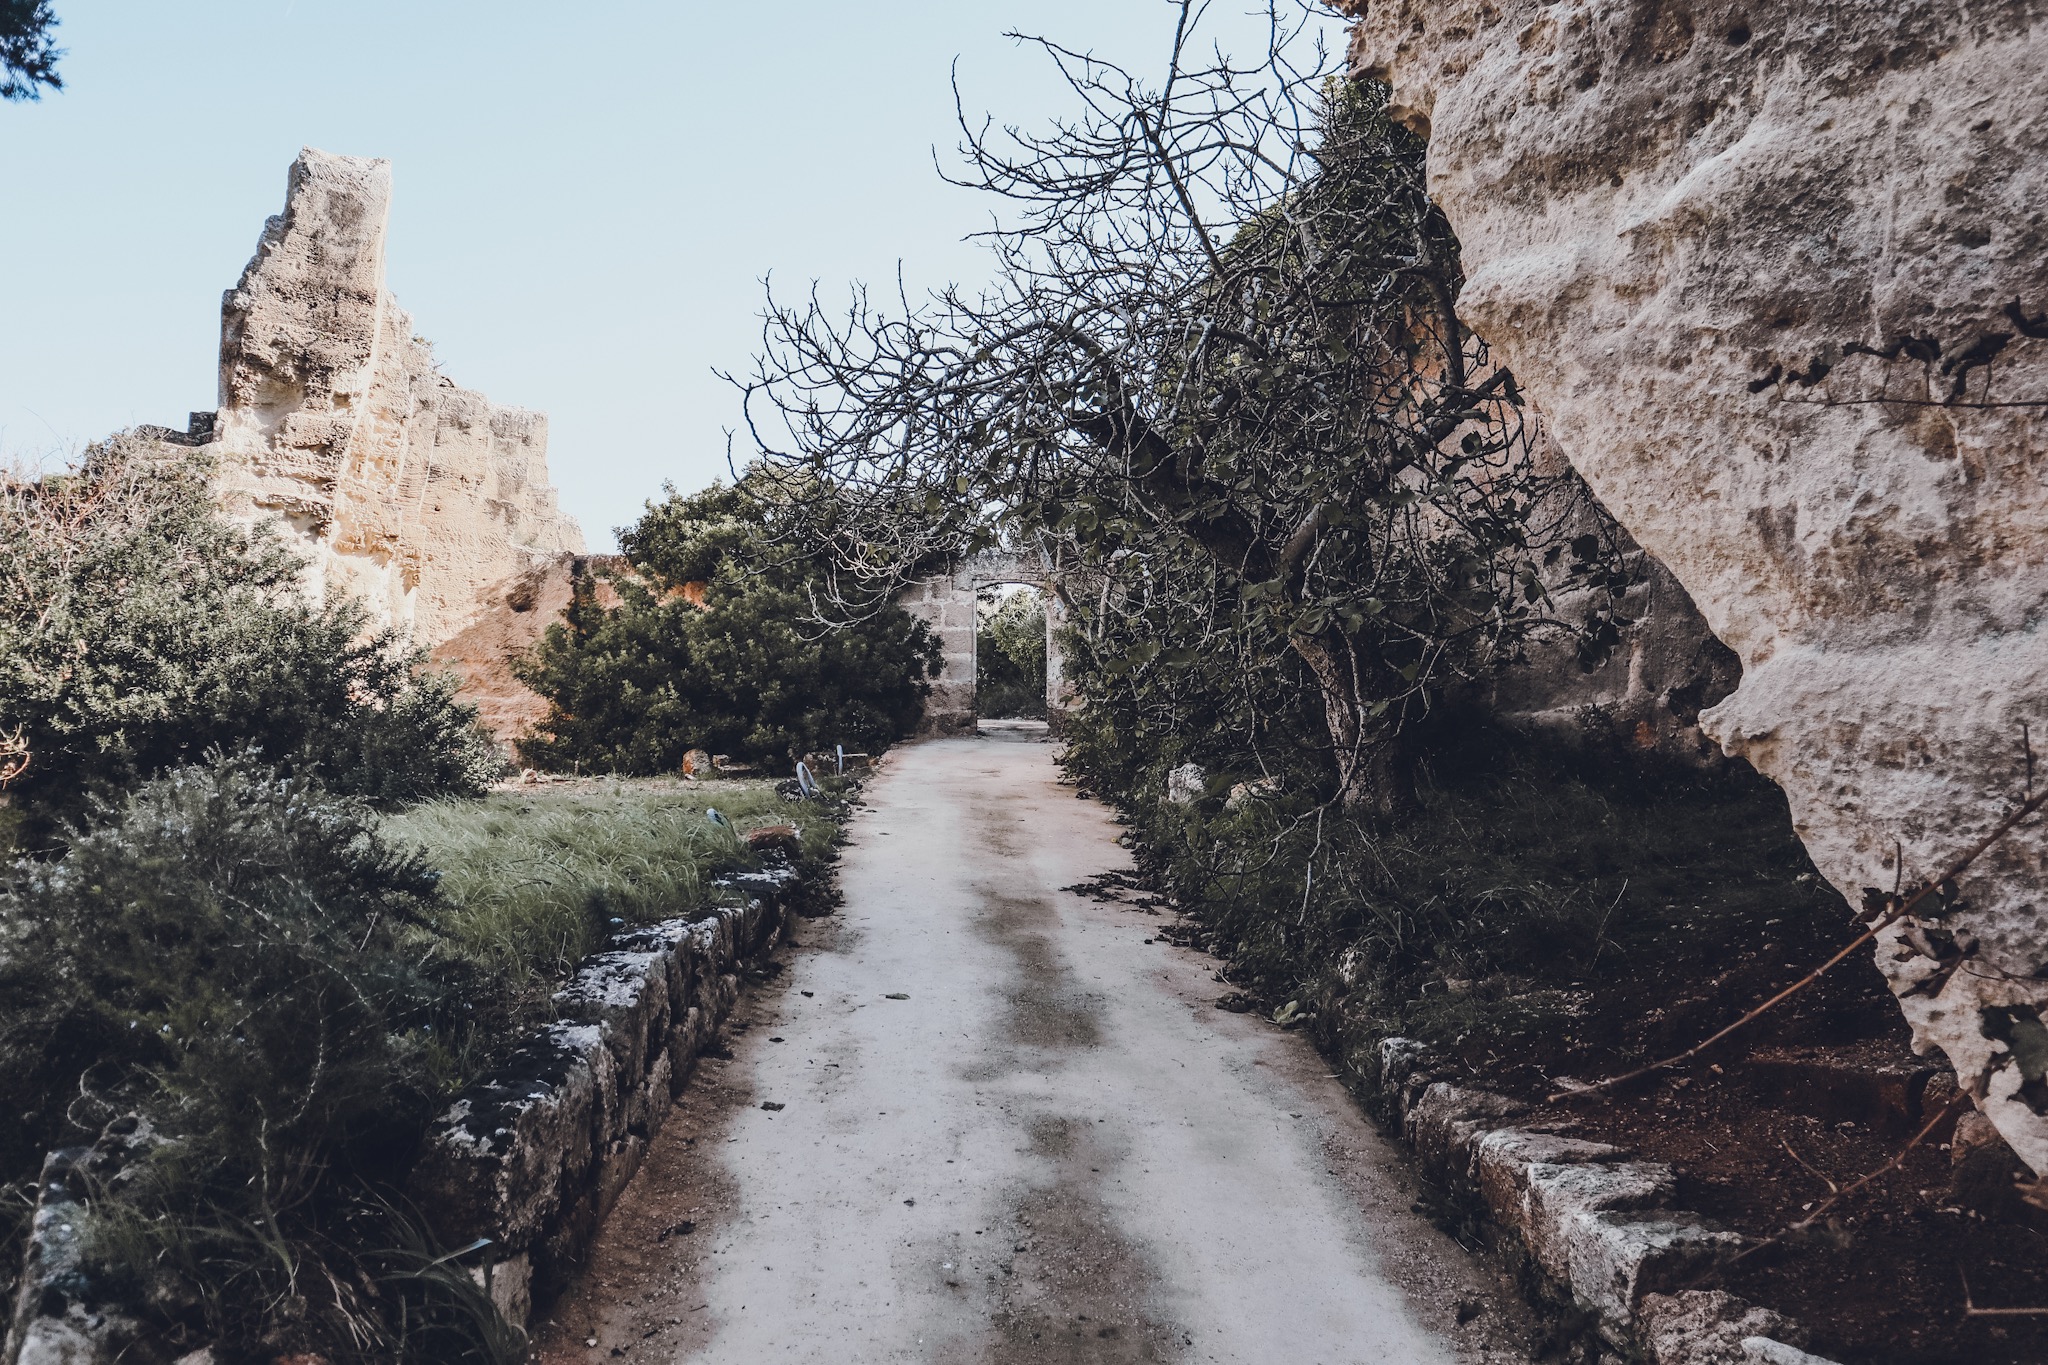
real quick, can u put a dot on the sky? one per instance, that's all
(587, 196)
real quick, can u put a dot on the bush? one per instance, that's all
(716, 644)
(225, 955)
(139, 628)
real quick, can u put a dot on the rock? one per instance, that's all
(1794, 338)
(1559, 1198)
(773, 839)
(1765, 1351)
(401, 488)
(1244, 793)
(59, 1316)
(698, 763)
(512, 616)
(727, 766)
(1705, 1327)
(1445, 1120)
(1184, 784)
(1502, 1160)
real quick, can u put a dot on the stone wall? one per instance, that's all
(401, 487)
(1776, 277)
(533, 1157)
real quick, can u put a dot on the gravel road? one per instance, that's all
(1008, 1129)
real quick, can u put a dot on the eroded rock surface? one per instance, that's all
(403, 488)
(1777, 278)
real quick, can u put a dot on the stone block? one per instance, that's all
(626, 995)
(621, 1163)
(1765, 1351)
(1704, 1327)
(56, 1319)
(514, 1147)
(1502, 1159)
(1445, 1120)
(1558, 1198)
(1615, 1258)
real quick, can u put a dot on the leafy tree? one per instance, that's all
(28, 56)
(139, 628)
(714, 643)
(1009, 659)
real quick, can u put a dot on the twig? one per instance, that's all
(1971, 1310)
(1899, 912)
(1811, 1169)
(1961, 1098)
(1956, 1102)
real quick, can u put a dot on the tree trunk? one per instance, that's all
(1374, 776)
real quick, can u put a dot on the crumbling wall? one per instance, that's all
(1777, 278)
(402, 488)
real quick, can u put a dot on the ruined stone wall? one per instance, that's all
(402, 488)
(946, 603)
(1777, 278)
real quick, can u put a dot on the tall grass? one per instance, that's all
(532, 881)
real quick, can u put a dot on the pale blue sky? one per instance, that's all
(586, 194)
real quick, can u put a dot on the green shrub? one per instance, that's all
(139, 628)
(226, 954)
(715, 644)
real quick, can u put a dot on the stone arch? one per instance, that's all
(945, 601)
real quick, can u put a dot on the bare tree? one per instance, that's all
(1224, 316)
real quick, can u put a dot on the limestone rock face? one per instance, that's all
(1776, 276)
(402, 488)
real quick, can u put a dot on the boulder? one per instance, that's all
(1184, 784)
(1775, 278)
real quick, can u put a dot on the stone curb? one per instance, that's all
(532, 1158)
(1598, 1227)
(528, 1159)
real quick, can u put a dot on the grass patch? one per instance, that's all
(534, 880)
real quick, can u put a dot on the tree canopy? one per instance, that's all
(28, 52)
(713, 641)
(1220, 365)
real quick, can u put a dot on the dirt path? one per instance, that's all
(1055, 1149)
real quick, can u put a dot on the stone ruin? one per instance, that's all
(418, 496)
(945, 602)
(1776, 278)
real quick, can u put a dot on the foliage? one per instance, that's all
(1222, 361)
(714, 644)
(139, 628)
(1009, 656)
(223, 954)
(1555, 910)
(28, 56)
(277, 987)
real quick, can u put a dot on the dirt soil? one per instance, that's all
(979, 1119)
(1883, 1282)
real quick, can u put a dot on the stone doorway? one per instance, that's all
(951, 604)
